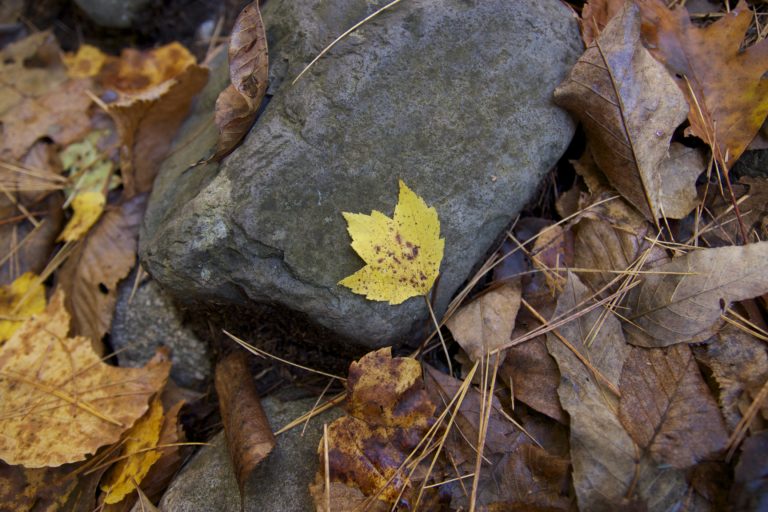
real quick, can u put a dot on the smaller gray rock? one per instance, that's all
(279, 484)
(149, 320)
(752, 163)
(112, 13)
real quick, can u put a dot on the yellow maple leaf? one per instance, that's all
(143, 436)
(402, 254)
(87, 207)
(18, 301)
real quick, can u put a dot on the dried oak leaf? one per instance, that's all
(667, 408)
(629, 107)
(707, 63)
(147, 123)
(60, 401)
(604, 457)
(389, 413)
(249, 436)
(140, 448)
(237, 105)
(20, 300)
(486, 323)
(402, 254)
(683, 302)
(92, 272)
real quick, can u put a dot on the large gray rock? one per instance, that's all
(453, 97)
(113, 13)
(279, 484)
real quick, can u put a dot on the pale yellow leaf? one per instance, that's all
(18, 301)
(87, 207)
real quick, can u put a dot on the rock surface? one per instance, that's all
(452, 97)
(148, 320)
(112, 13)
(279, 484)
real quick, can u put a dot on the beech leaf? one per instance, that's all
(667, 408)
(402, 254)
(629, 107)
(684, 303)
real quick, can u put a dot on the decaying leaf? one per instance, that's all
(486, 323)
(607, 474)
(667, 408)
(147, 123)
(60, 401)
(389, 413)
(87, 208)
(706, 62)
(33, 490)
(739, 364)
(237, 105)
(402, 254)
(249, 436)
(20, 300)
(91, 273)
(684, 303)
(140, 441)
(629, 107)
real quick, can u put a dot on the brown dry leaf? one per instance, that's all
(389, 413)
(342, 498)
(147, 123)
(61, 114)
(604, 458)
(486, 323)
(739, 364)
(684, 304)
(137, 72)
(753, 209)
(750, 488)
(595, 15)
(43, 489)
(667, 408)
(553, 249)
(532, 479)
(60, 401)
(679, 173)
(610, 238)
(249, 436)
(91, 273)
(237, 105)
(706, 63)
(629, 107)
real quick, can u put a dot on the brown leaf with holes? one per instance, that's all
(486, 323)
(92, 272)
(389, 412)
(237, 105)
(667, 408)
(739, 364)
(249, 436)
(707, 63)
(682, 303)
(147, 123)
(629, 107)
(60, 401)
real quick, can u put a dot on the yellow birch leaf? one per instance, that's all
(18, 301)
(87, 207)
(87, 62)
(143, 436)
(402, 254)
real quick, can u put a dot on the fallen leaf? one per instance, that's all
(18, 301)
(85, 63)
(706, 62)
(486, 323)
(533, 479)
(140, 443)
(136, 72)
(552, 250)
(88, 168)
(595, 15)
(752, 194)
(389, 413)
(679, 173)
(683, 302)
(147, 124)
(402, 254)
(237, 105)
(91, 273)
(61, 115)
(249, 435)
(60, 401)
(87, 208)
(739, 364)
(629, 107)
(750, 485)
(667, 408)
(607, 474)
(42, 489)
